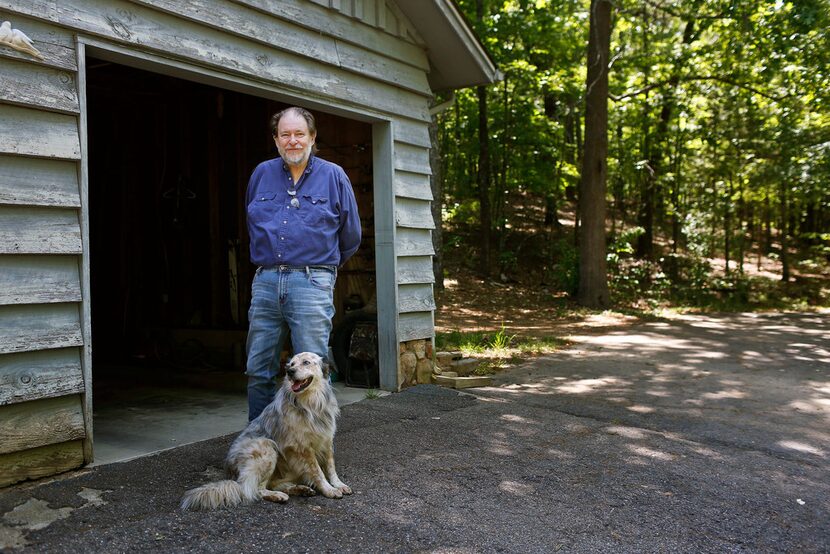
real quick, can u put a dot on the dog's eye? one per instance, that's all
(305, 362)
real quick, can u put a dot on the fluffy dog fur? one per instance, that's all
(286, 450)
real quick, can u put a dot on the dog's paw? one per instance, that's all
(301, 490)
(274, 496)
(331, 492)
(344, 488)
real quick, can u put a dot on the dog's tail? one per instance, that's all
(221, 494)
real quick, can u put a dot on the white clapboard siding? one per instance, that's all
(25, 230)
(39, 182)
(413, 213)
(412, 185)
(57, 46)
(413, 242)
(412, 158)
(128, 23)
(415, 269)
(415, 298)
(40, 462)
(44, 374)
(398, 24)
(38, 86)
(385, 69)
(27, 328)
(416, 325)
(40, 422)
(412, 132)
(285, 35)
(39, 279)
(321, 19)
(33, 132)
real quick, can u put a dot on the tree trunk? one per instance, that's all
(767, 225)
(593, 280)
(485, 213)
(785, 218)
(741, 230)
(727, 224)
(645, 242)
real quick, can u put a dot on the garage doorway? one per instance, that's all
(169, 161)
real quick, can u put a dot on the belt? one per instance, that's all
(303, 268)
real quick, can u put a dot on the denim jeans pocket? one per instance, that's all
(321, 279)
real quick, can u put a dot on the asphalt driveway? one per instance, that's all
(701, 434)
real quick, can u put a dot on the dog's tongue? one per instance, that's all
(297, 385)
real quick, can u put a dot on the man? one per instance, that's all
(303, 224)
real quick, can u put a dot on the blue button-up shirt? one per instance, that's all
(323, 230)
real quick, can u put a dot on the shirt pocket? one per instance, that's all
(264, 206)
(316, 210)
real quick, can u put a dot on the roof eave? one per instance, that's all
(457, 58)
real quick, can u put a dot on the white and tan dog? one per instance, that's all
(286, 450)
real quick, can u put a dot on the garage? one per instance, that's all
(169, 161)
(128, 131)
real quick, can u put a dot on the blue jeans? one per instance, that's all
(285, 298)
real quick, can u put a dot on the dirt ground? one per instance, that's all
(470, 303)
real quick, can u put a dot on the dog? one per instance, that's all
(287, 451)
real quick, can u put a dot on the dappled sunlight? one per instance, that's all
(720, 395)
(648, 342)
(559, 454)
(816, 406)
(764, 390)
(628, 432)
(801, 447)
(651, 453)
(501, 449)
(518, 419)
(522, 387)
(582, 386)
(707, 452)
(514, 487)
(605, 319)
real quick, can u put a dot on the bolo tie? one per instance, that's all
(295, 202)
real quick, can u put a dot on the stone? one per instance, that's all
(444, 359)
(420, 349)
(407, 368)
(423, 371)
(464, 366)
(463, 382)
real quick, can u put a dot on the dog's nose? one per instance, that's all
(290, 371)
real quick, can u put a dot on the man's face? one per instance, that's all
(293, 139)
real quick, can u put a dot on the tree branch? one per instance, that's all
(699, 78)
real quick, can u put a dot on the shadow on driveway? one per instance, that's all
(699, 434)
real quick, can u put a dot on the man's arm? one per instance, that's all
(350, 232)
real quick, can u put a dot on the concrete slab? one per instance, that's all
(142, 420)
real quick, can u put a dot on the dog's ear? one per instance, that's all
(325, 367)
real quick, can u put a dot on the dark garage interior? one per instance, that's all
(169, 161)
